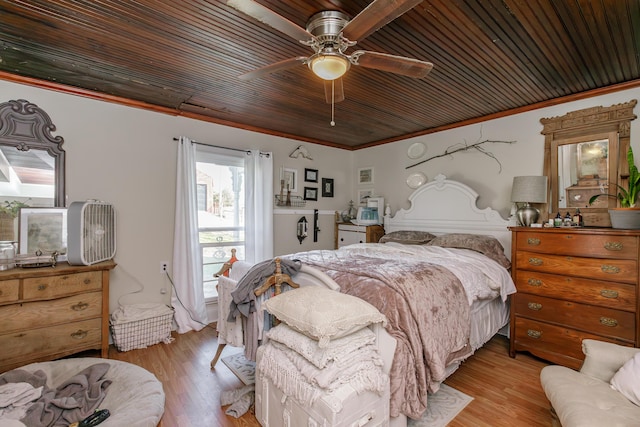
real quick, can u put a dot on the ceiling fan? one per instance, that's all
(330, 33)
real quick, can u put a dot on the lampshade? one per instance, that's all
(329, 66)
(529, 189)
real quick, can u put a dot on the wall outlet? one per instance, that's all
(164, 267)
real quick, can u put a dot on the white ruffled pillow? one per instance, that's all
(323, 314)
(337, 350)
(627, 380)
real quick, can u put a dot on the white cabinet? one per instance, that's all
(348, 234)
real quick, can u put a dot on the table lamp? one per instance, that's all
(526, 190)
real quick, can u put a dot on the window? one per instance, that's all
(221, 204)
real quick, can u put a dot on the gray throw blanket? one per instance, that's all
(244, 299)
(243, 296)
(72, 401)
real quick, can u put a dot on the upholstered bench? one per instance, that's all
(586, 398)
(135, 397)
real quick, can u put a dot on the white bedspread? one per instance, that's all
(481, 277)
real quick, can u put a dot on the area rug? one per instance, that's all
(442, 407)
(244, 369)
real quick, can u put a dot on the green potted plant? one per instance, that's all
(8, 213)
(627, 215)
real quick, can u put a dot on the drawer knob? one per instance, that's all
(533, 241)
(42, 287)
(535, 261)
(534, 334)
(609, 293)
(534, 282)
(613, 246)
(534, 306)
(79, 334)
(87, 281)
(608, 321)
(610, 269)
(80, 306)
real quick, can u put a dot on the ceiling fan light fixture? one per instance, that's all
(329, 66)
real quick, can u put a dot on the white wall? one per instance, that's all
(127, 157)
(524, 157)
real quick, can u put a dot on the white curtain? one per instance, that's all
(259, 207)
(188, 296)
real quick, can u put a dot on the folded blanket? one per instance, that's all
(297, 377)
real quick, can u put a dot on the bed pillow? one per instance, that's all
(323, 314)
(408, 237)
(627, 380)
(486, 245)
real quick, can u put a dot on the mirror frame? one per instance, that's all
(26, 126)
(612, 123)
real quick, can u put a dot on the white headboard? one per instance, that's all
(445, 206)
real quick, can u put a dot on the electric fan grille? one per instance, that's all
(92, 236)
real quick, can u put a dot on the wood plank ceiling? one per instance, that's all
(491, 57)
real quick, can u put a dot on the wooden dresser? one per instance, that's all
(50, 312)
(573, 283)
(348, 234)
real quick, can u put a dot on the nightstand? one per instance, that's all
(348, 234)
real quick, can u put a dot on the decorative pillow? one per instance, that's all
(486, 245)
(627, 380)
(408, 237)
(323, 314)
(338, 349)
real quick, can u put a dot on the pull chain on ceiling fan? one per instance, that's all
(330, 33)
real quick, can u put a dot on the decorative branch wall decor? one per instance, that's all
(475, 146)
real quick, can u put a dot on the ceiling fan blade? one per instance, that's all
(410, 67)
(272, 19)
(378, 14)
(282, 65)
(338, 90)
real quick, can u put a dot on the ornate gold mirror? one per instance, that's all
(32, 161)
(585, 155)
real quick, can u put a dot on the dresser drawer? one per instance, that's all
(585, 245)
(351, 237)
(9, 290)
(619, 296)
(614, 324)
(554, 343)
(37, 314)
(55, 286)
(616, 270)
(50, 342)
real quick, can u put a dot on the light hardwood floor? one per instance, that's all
(506, 391)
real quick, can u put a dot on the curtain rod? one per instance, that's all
(247, 152)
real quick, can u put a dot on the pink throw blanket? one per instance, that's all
(427, 311)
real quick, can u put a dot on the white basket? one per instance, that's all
(142, 333)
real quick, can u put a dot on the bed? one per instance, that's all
(444, 224)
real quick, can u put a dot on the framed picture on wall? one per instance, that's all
(365, 176)
(311, 175)
(327, 187)
(363, 195)
(310, 193)
(289, 179)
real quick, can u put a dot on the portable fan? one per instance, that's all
(91, 228)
